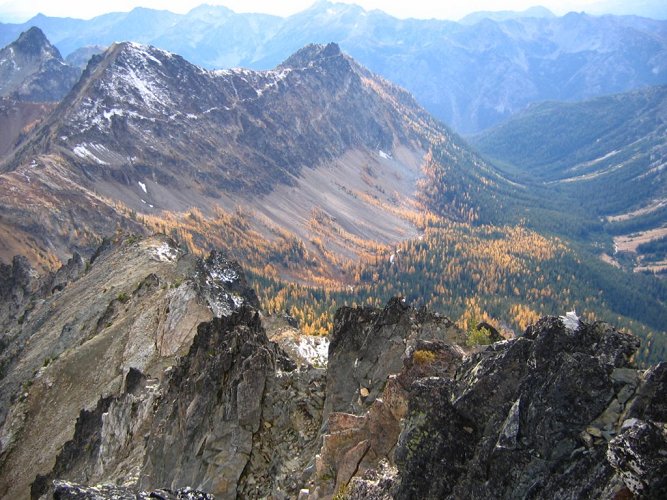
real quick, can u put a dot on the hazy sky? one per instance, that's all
(22, 10)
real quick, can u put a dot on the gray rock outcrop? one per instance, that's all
(554, 414)
(203, 429)
(82, 336)
(369, 344)
(191, 392)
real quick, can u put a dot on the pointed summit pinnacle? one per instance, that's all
(311, 54)
(34, 42)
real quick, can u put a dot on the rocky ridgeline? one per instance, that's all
(77, 342)
(233, 416)
(401, 410)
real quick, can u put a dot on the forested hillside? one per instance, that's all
(604, 159)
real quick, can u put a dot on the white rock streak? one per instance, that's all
(570, 320)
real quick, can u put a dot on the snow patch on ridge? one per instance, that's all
(144, 52)
(227, 275)
(315, 350)
(164, 253)
(571, 321)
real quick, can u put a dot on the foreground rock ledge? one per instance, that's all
(403, 412)
(558, 413)
(64, 490)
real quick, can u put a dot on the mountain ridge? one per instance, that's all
(130, 131)
(430, 58)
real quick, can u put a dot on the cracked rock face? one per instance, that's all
(71, 340)
(533, 417)
(238, 417)
(638, 455)
(558, 413)
(234, 417)
(368, 344)
(202, 432)
(383, 351)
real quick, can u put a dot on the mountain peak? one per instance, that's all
(328, 7)
(207, 11)
(133, 51)
(138, 48)
(33, 42)
(310, 54)
(31, 69)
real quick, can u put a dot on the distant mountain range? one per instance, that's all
(655, 9)
(506, 15)
(471, 75)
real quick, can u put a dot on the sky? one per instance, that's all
(22, 10)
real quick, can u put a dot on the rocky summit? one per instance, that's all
(31, 69)
(33, 78)
(188, 394)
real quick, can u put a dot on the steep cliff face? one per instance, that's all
(203, 432)
(182, 385)
(234, 417)
(77, 336)
(237, 418)
(368, 344)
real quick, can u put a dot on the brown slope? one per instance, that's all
(17, 119)
(319, 148)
